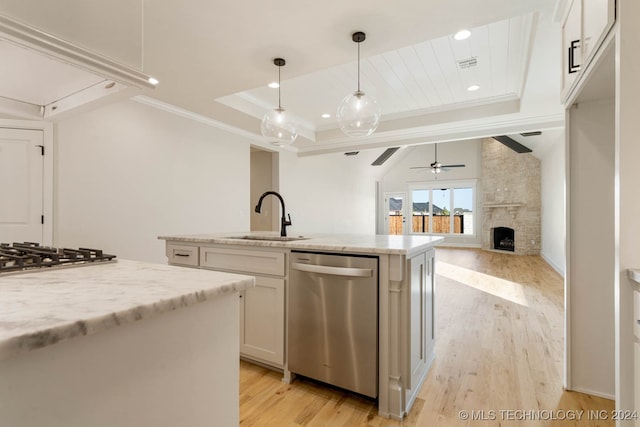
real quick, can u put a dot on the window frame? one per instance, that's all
(451, 185)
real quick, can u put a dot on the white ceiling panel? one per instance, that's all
(411, 80)
(422, 80)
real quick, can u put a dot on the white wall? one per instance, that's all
(261, 181)
(552, 222)
(126, 173)
(330, 193)
(591, 255)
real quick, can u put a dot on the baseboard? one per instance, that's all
(459, 245)
(593, 393)
(558, 269)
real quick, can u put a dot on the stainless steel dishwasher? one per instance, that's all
(333, 320)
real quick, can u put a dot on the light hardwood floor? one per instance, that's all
(499, 349)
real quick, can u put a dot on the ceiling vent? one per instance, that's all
(385, 156)
(534, 133)
(463, 64)
(351, 153)
(513, 144)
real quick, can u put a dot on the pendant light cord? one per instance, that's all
(279, 106)
(358, 66)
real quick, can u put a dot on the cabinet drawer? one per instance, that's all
(182, 255)
(261, 262)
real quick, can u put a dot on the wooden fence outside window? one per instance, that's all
(420, 224)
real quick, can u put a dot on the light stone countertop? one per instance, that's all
(39, 308)
(338, 243)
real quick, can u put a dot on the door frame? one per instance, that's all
(47, 173)
(385, 212)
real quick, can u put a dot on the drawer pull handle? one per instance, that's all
(177, 254)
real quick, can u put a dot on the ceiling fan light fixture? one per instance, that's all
(276, 126)
(358, 113)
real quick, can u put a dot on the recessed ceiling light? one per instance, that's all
(274, 85)
(462, 35)
(326, 115)
(473, 88)
(153, 81)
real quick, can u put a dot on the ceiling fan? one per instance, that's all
(436, 166)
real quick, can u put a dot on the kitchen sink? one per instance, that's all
(271, 238)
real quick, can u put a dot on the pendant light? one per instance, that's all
(358, 113)
(276, 126)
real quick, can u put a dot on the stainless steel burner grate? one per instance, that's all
(29, 255)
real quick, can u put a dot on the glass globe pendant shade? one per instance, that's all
(358, 114)
(277, 128)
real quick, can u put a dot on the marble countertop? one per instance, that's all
(39, 308)
(347, 243)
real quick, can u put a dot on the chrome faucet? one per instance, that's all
(283, 221)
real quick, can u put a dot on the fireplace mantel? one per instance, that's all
(511, 207)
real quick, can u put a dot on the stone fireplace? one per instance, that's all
(511, 204)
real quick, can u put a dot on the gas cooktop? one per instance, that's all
(28, 256)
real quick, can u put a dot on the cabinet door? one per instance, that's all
(597, 18)
(417, 318)
(571, 45)
(430, 303)
(262, 321)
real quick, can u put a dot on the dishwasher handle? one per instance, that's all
(335, 271)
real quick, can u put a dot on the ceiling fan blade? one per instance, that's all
(420, 167)
(452, 166)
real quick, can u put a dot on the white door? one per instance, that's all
(21, 181)
(395, 206)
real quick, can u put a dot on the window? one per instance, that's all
(445, 209)
(420, 217)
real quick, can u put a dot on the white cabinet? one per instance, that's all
(247, 261)
(421, 316)
(571, 44)
(262, 308)
(182, 255)
(262, 316)
(597, 18)
(585, 24)
(262, 321)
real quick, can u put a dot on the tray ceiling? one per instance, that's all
(415, 80)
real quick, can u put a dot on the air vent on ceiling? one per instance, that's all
(385, 156)
(351, 153)
(514, 145)
(534, 133)
(467, 62)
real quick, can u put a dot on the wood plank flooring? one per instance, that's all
(499, 350)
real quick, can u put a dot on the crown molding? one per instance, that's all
(178, 111)
(453, 131)
(32, 38)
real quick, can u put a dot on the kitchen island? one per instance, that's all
(122, 343)
(405, 298)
